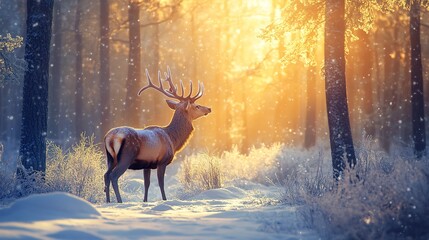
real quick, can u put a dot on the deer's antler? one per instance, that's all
(172, 91)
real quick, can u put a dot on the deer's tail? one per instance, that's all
(113, 147)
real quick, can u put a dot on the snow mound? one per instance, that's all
(221, 193)
(180, 203)
(133, 185)
(50, 206)
(162, 207)
(74, 234)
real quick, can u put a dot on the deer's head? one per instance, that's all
(186, 104)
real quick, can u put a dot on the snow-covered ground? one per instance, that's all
(244, 211)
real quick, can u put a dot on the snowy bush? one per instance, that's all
(302, 172)
(78, 171)
(11, 68)
(200, 172)
(384, 197)
(259, 165)
(388, 200)
(7, 180)
(11, 187)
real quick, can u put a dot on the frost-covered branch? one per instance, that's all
(11, 68)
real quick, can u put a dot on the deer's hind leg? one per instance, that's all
(110, 166)
(125, 159)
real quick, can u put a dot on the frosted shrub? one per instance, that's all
(7, 182)
(388, 201)
(78, 171)
(258, 165)
(6, 185)
(303, 173)
(200, 172)
(12, 187)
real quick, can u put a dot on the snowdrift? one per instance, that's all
(221, 193)
(49, 206)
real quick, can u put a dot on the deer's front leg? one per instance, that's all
(146, 173)
(161, 173)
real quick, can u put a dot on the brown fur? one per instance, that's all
(179, 130)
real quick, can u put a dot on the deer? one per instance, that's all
(153, 147)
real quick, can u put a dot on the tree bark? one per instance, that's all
(35, 99)
(132, 105)
(56, 66)
(224, 67)
(417, 99)
(217, 59)
(104, 67)
(158, 101)
(335, 88)
(387, 89)
(79, 93)
(406, 133)
(310, 119)
(365, 65)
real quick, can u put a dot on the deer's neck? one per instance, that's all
(179, 130)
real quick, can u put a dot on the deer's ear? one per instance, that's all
(172, 104)
(188, 105)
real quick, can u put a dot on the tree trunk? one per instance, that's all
(217, 59)
(35, 99)
(353, 85)
(417, 100)
(79, 93)
(225, 65)
(280, 76)
(158, 101)
(104, 67)
(56, 66)
(406, 134)
(132, 105)
(396, 99)
(387, 86)
(310, 119)
(365, 66)
(194, 38)
(335, 87)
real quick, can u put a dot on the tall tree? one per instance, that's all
(335, 87)
(155, 62)
(365, 65)
(35, 99)
(387, 89)
(104, 66)
(55, 80)
(310, 118)
(132, 105)
(79, 73)
(417, 99)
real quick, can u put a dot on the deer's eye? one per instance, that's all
(198, 107)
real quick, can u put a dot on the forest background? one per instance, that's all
(263, 87)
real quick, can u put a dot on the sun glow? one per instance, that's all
(253, 94)
(264, 6)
